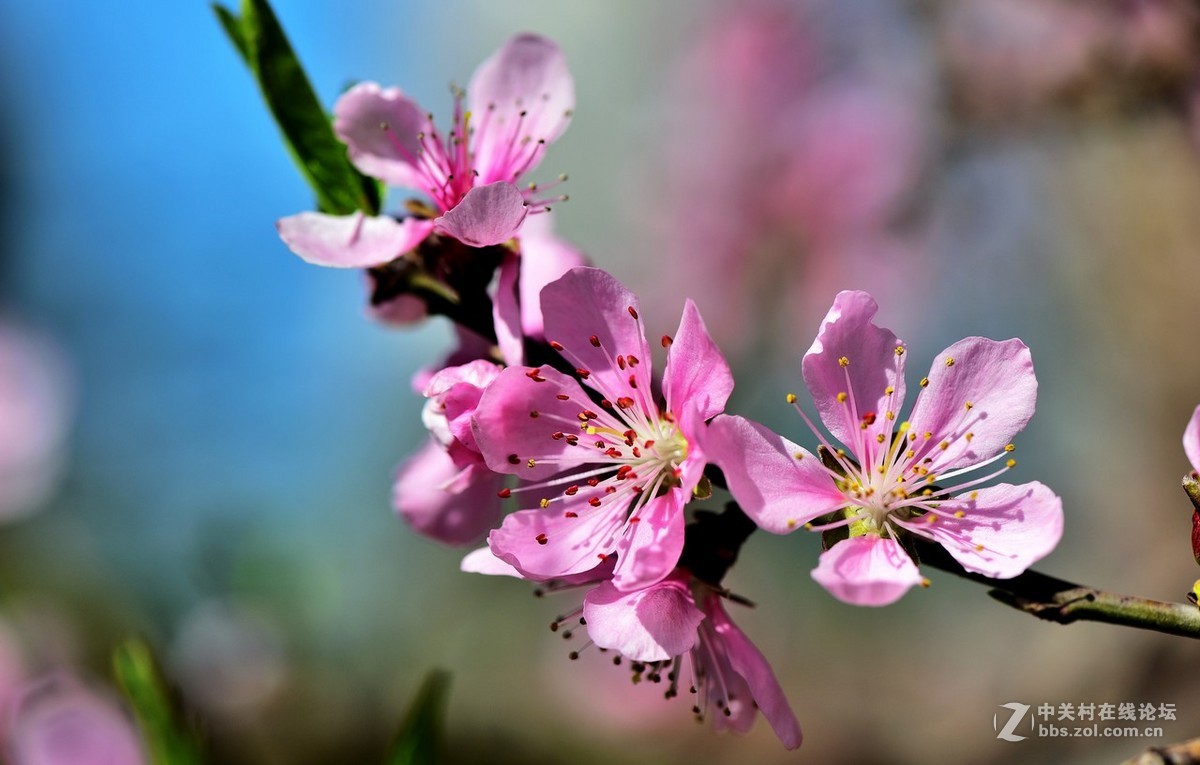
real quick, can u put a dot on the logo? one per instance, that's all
(1018, 714)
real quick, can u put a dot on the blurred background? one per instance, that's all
(198, 431)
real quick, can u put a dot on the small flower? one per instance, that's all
(657, 626)
(518, 101)
(894, 477)
(612, 464)
(445, 491)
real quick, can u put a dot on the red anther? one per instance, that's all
(556, 345)
(594, 502)
(635, 519)
(601, 556)
(633, 360)
(533, 373)
(629, 436)
(590, 414)
(668, 417)
(613, 452)
(563, 397)
(632, 381)
(868, 418)
(583, 373)
(600, 444)
(624, 402)
(570, 514)
(610, 489)
(624, 470)
(666, 341)
(571, 491)
(593, 481)
(595, 341)
(541, 539)
(633, 312)
(606, 403)
(514, 459)
(637, 452)
(534, 414)
(504, 493)
(621, 362)
(649, 443)
(638, 489)
(558, 435)
(572, 439)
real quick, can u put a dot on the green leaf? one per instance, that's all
(168, 740)
(306, 128)
(419, 741)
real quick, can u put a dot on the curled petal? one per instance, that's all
(1004, 530)
(350, 241)
(747, 661)
(487, 215)
(443, 501)
(482, 561)
(381, 129)
(853, 356)
(866, 571)
(656, 623)
(521, 424)
(589, 302)
(696, 371)
(1191, 440)
(777, 483)
(523, 96)
(981, 393)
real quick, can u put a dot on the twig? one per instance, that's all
(1186, 753)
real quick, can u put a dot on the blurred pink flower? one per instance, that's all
(615, 475)
(34, 410)
(59, 721)
(519, 100)
(894, 478)
(1191, 440)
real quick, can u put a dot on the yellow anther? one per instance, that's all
(799, 455)
(968, 406)
(959, 514)
(841, 397)
(931, 478)
(930, 518)
(925, 583)
(908, 455)
(978, 548)
(889, 390)
(843, 362)
(1010, 448)
(969, 436)
(928, 435)
(973, 496)
(791, 398)
(912, 437)
(890, 415)
(1011, 463)
(880, 437)
(944, 445)
(924, 382)
(791, 523)
(544, 503)
(950, 362)
(841, 453)
(899, 350)
(807, 527)
(531, 462)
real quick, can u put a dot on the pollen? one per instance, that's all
(926, 583)
(978, 548)
(889, 390)
(924, 382)
(791, 523)
(959, 514)
(799, 455)
(531, 463)
(1010, 448)
(544, 503)
(880, 438)
(968, 406)
(944, 445)
(1011, 463)
(843, 362)
(899, 350)
(791, 398)
(950, 362)
(969, 436)
(841, 397)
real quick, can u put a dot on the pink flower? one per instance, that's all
(656, 626)
(59, 721)
(1191, 440)
(445, 491)
(518, 101)
(897, 477)
(613, 463)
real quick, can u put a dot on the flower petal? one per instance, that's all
(981, 393)
(589, 302)
(350, 241)
(547, 544)
(875, 359)
(444, 502)
(748, 662)
(487, 215)
(696, 371)
(523, 96)
(506, 311)
(866, 571)
(1191, 440)
(482, 561)
(1004, 530)
(656, 623)
(509, 434)
(780, 485)
(380, 128)
(454, 394)
(544, 258)
(650, 547)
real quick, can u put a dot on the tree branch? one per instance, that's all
(1058, 600)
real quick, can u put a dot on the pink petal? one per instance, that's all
(866, 571)
(748, 662)
(650, 548)
(508, 435)
(547, 544)
(1191, 440)
(1015, 525)
(780, 485)
(696, 371)
(657, 623)
(387, 153)
(350, 241)
(454, 394)
(847, 332)
(589, 302)
(544, 258)
(444, 502)
(522, 91)
(400, 310)
(482, 561)
(59, 721)
(487, 215)
(506, 311)
(996, 380)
